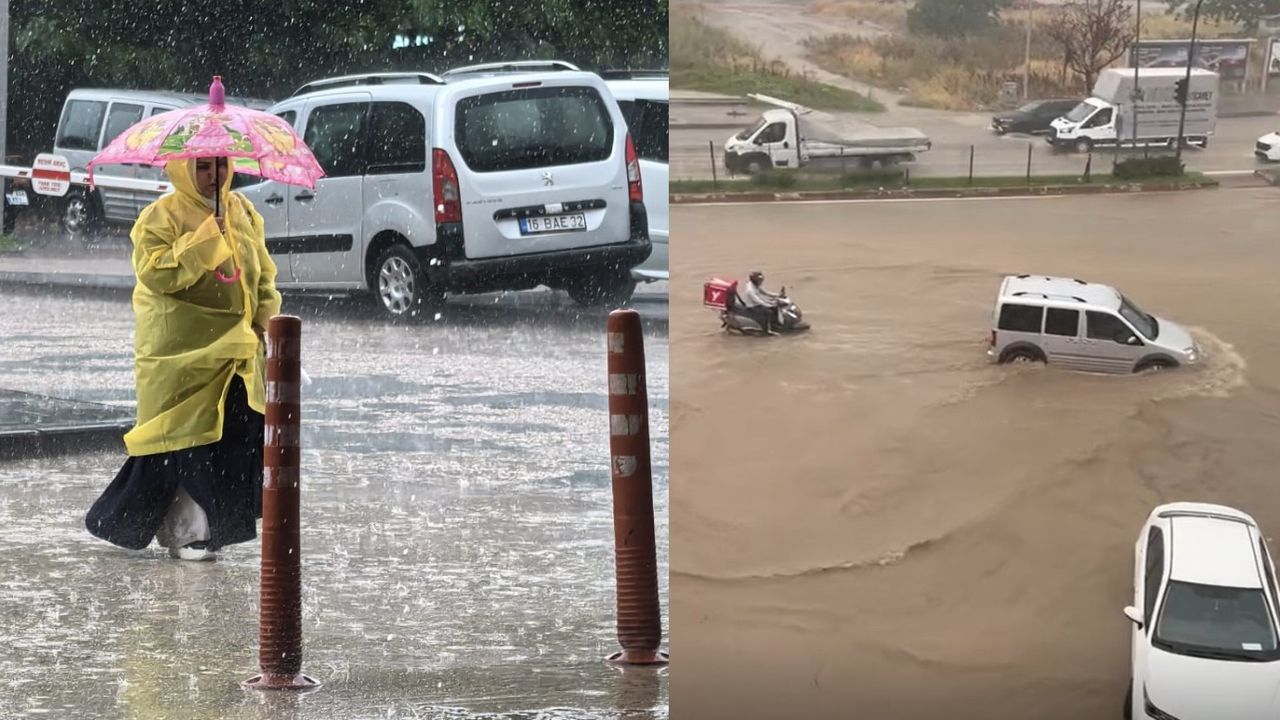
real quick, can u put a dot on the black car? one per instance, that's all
(1034, 117)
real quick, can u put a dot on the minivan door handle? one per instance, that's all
(304, 197)
(274, 199)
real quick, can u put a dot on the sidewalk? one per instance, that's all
(109, 267)
(37, 425)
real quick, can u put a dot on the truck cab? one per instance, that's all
(772, 142)
(1092, 122)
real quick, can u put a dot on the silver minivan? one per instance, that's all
(485, 178)
(93, 117)
(1083, 326)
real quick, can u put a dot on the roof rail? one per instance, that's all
(420, 78)
(512, 66)
(629, 74)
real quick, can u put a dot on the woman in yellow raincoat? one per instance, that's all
(205, 291)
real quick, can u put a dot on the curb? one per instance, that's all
(909, 193)
(1269, 178)
(80, 280)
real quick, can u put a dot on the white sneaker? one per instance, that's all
(192, 551)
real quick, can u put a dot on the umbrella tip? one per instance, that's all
(217, 93)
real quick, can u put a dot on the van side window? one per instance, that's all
(1103, 326)
(397, 139)
(289, 116)
(1020, 318)
(159, 109)
(81, 124)
(335, 133)
(533, 128)
(1102, 118)
(1061, 321)
(121, 117)
(648, 122)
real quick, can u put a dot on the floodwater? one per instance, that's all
(874, 521)
(457, 532)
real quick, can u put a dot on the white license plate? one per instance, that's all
(553, 223)
(17, 197)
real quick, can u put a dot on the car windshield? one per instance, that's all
(1145, 324)
(751, 130)
(1216, 622)
(1081, 112)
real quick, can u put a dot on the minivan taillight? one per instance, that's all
(634, 185)
(444, 182)
(993, 338)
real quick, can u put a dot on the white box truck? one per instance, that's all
(796, 136)
(1108, 114)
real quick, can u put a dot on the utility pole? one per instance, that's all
(1191, 54)
(1026, 65)
(4, 91)
(1137, 93)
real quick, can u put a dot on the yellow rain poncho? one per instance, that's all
(194, 333)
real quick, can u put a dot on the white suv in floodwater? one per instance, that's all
(644, 97)
(1204, 637)
(485, 178)
(1083, 326)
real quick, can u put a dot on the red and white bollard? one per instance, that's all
(639, 618)
(280, 614)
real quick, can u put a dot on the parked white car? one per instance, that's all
(644, 97)
(1204, 635)
(1268, 147)
(485, 178)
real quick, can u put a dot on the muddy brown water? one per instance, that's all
(874, 521)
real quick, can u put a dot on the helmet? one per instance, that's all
(756, 277)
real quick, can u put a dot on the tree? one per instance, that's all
(1245, 12)
(952, 18)
(268, 48)
(1093, 34)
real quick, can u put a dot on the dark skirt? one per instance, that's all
(224, 478)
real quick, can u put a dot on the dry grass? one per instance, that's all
(888, 14)
(966, 74)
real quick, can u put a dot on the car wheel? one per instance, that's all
(873, 163)
(400, 285)
(754, 166)
(1021, 356)
(81, 218)
(609, 289)
(1153, 365)
(1083, 146)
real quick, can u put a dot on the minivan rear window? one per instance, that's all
(1020, 318)
(533, 128)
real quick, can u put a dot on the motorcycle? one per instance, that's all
(722, 296)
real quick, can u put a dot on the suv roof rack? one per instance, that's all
(420, 78)
(512, 66)
(1046, 296)
(630, 74)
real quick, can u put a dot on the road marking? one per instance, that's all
(860, 201)
(1228, 172)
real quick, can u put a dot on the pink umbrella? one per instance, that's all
(258, 143)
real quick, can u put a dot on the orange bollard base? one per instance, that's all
(271, 681)
(639, 657)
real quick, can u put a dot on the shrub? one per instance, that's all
(1138, 168)
(774, 179)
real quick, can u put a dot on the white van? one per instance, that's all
(91, 119)
(644, 97)
(486, 178)
(1083, 326)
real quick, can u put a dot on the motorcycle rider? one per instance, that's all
(760, 304)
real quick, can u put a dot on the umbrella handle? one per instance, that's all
(225, 279)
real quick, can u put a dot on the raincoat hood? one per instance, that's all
(182, 175)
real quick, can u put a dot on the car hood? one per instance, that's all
(1270, 138)
(1173, 335)
(1190, 688)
